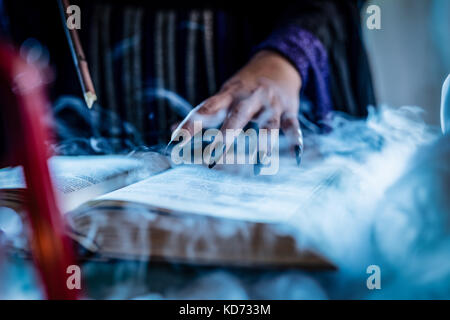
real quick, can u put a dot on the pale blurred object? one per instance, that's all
(445, 106)
(409, 55)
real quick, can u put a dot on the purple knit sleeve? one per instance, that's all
(310, 58)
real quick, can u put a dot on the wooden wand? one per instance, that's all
(78, 56)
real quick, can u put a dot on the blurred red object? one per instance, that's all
(24, 135)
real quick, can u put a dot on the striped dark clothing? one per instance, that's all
(141, 58)
(152, 61)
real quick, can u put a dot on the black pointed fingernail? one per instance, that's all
(298, 154)
(217, 157)
(167, 147)
(256, 169)
(257, 166)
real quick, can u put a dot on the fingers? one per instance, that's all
(235, 107)
(207, 112)
(271, 123)
(238, 117)
(174, 126)
(186, 125)
(271, 118)
(268, 120)
(291, 128)
(222, 100)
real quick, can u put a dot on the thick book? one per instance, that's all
(142, 208)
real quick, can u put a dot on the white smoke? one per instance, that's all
(388, 206)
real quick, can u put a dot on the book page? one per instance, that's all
(195, 189)
(81, 178)
(74, 173)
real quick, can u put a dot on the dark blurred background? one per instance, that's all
(410, 55)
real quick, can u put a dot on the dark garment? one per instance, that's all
(158, 58)
(4, 20)
(338, 26)
(142, 53)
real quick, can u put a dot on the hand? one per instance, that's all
(266, 91)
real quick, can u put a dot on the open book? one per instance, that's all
(142, 208)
